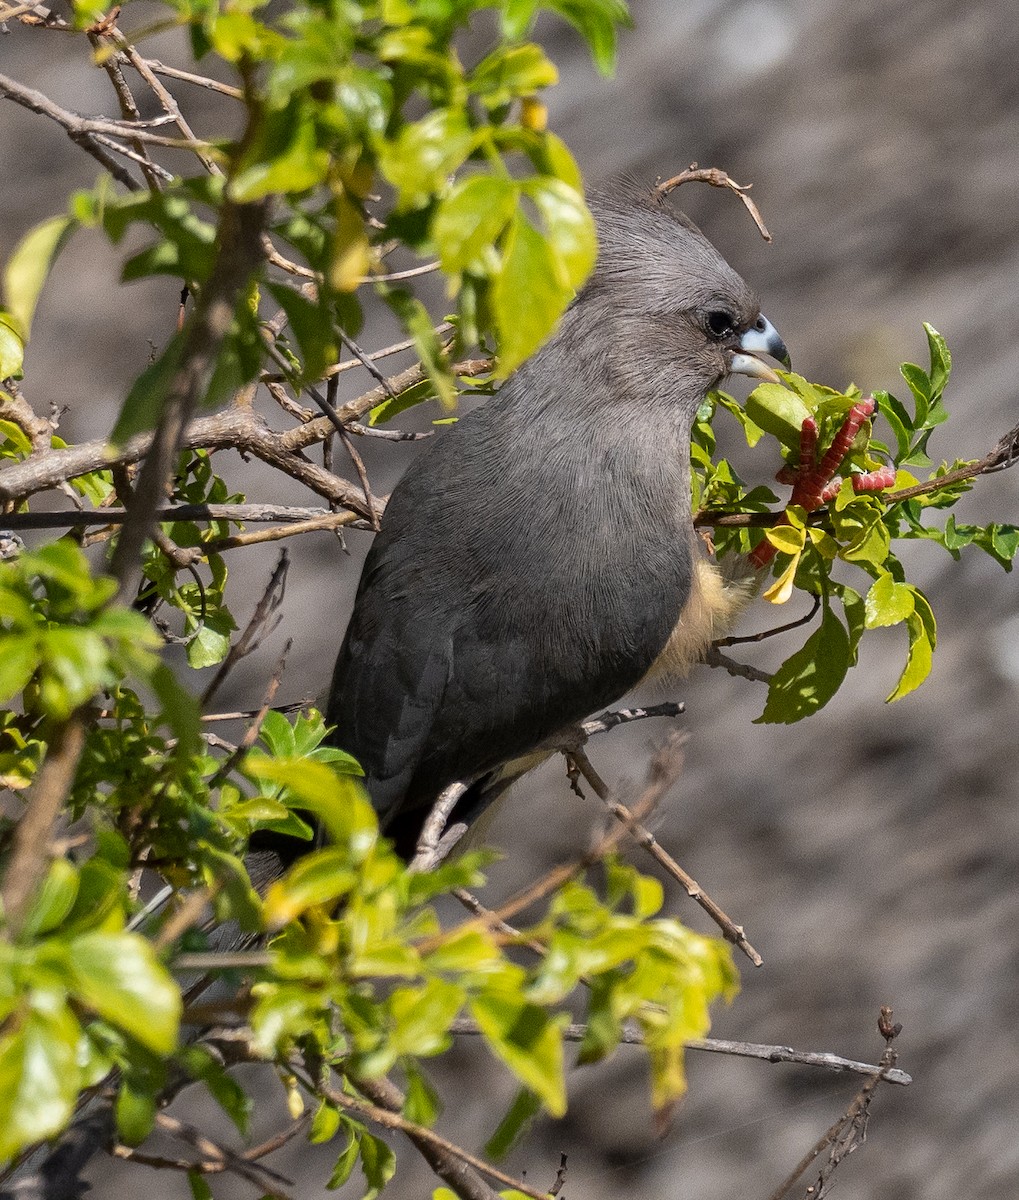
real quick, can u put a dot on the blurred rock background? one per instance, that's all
(873, 852)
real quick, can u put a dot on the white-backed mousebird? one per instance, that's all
(538, 560)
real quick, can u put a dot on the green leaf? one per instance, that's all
(422, 1104)
(325, 1124)
(119, 977)
(18, 663)
(920, 385)
(53, 901)
(209, 645)
(12, 348)
(569, 227)
(527, 1040)
(347, 1159)
(888, 602)
(312, 325)
(316, 878)
(39, 1074)
(941, 360)
(29, 265)
(529, 268)
(470, 219)
(147, 395)
(517, 16)
(512, 71)
(596, 20)
(418, 161)
(418, 323)
(378, 1162)
(338, 800)
(808, 679)
(898, 420)
(420, 1017)
(778, 410)
(200, 1063)
(521, 1113)
(284, 157)
(922, 640)
(199, 1186)
(135, 1113)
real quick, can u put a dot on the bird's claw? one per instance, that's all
(816, 483)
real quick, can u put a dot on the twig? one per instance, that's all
(715, 658)
(222, 960)
(767, 1053)
(33, 833)
(426, 852)
(716, 178)
(560, 1177)
(240, 513)
(850, 1130)
(663, 771)
(167, 100)
(238, 238)
(420, 1135)
(389, 435)
(1004, 455)
(409, 273)
(646, 839)
(386, 351)
(767, 633)
(623, 716)
(263, 621)
(79, 129)
(184, 917)
(158, 68)
(267, 1181)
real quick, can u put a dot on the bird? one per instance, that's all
(538, 560)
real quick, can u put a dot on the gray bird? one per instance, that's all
(538, 560)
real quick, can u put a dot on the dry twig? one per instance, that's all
(716, 178)
(646, 839)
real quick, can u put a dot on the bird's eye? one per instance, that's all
(719, 324)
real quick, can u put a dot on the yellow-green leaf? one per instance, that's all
(119, 977)
(29, 266)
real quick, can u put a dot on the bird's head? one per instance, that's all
(676, 314)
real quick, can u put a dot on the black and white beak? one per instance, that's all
(761, 338)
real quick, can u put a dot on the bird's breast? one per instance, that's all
(717, 599)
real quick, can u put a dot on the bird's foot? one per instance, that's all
(816, 483)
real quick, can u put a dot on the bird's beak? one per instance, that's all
(761, 338)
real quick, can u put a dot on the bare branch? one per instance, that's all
(267, 1181)
(715, 658)
(426, 854)
(623, 716)
(33, 833)
(440, 1151)
(646, 839)
(767, 1053)
(716, 178)
(774, 632)
(849, 1131)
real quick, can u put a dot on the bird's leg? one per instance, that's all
(816, 483)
